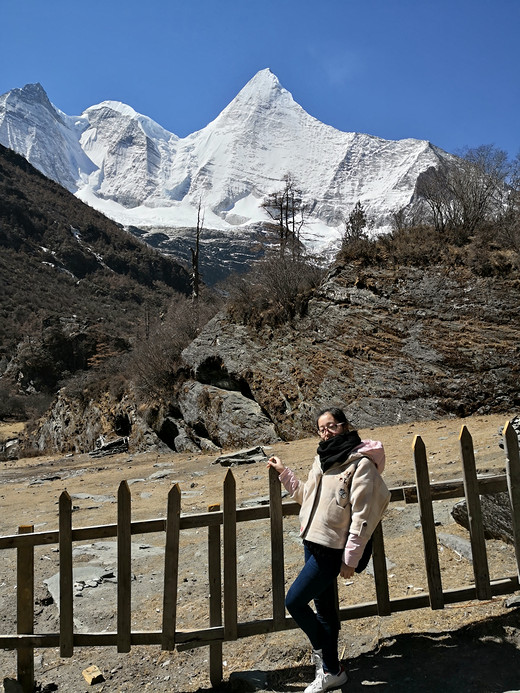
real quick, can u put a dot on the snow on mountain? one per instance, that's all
(47, 138)
(138, 173)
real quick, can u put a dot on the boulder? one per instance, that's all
(515, 423)
(247, 456)
(227, 418)
(9, 449)
(496, 516)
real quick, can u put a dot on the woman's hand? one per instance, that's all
(346, 571)
(276, 463)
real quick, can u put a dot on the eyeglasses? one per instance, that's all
(332, 427)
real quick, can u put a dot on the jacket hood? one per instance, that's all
(374, 450)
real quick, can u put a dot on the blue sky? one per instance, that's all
(444, 70)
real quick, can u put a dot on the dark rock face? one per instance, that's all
(389, 345)
(75, 426)
(224, 252)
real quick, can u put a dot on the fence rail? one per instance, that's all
(221, 525)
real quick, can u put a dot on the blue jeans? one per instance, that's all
(317, 581)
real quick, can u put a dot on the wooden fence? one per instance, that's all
(221, 524)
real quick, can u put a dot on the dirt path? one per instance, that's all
(463, 648)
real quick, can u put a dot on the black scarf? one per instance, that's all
(337, 448)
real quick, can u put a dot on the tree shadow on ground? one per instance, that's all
(482, 657)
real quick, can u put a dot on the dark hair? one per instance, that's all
(336, 412)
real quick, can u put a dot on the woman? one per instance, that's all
(342, 502)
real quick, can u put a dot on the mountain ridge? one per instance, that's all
(136, 172)
(66, 270)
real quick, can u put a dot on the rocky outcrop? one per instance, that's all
(74, 425)
(9, 449)
(389, 345)
(204, 418)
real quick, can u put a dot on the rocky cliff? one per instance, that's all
(390, 345)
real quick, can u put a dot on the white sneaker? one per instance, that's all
(317, 660)
(327, 682)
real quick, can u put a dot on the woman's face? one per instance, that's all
(328, 427)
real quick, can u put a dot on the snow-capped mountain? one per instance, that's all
(129, 167)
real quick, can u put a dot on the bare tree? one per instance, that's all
(466, 192)
(195, 267)
(509, 223)
(433, 188)
(154, 362)
(286, 208)
(406, 218)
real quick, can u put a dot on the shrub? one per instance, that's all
(153, 366)
(274, 291)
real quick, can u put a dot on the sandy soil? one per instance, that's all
(464, 647)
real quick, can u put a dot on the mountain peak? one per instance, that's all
(117, 106)
(265, 76)
(34, 90)
(262, 86)
(262, 93)
(31, 93)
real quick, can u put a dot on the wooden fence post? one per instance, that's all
(171, 568)
(513, 485)
(424, 496)
(229, 520)
(476, 526)
(124, 569)
(66, 577)
(277, 553)
(25, 609)
(215, 598)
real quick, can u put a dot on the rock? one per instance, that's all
(183, 443)
(73, 425)
(9, 449)
(247, 456)
(242, 681)
(95, 498)
(160, 475)
(461, 546)
(372, 340)
(253, 502)
(207, 445)
(111, 447)
(370, 566)
(515, 423)
(92, 675)
(226, 418)
(512, 602)
(84, 576)
(496, 516)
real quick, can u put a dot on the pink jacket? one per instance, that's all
(342, 507)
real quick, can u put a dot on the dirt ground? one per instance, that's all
(468, 647)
